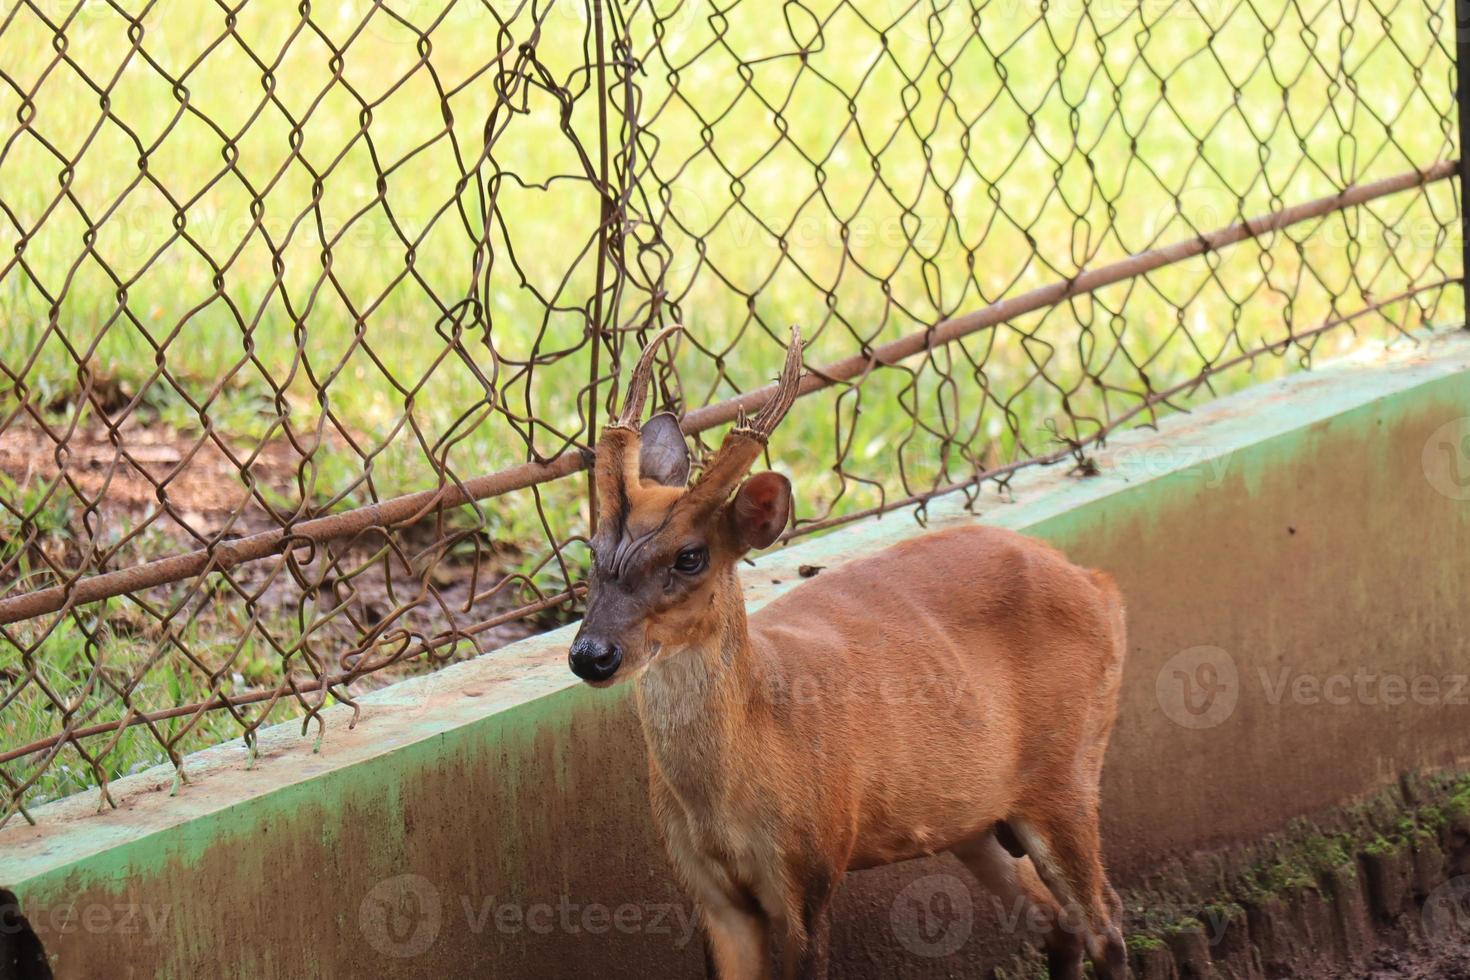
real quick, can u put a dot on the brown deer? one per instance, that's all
(953, 692)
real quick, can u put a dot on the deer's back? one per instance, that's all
(970, 659)
(965, 584)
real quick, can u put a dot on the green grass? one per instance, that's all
(94, 663)
(832, 165)
(1458, 806)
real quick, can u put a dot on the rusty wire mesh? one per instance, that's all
(308, 313)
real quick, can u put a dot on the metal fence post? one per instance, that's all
(598, 329)
(1462, 104)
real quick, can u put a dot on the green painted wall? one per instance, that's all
(492, 819)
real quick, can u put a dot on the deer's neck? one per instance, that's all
(695, 705)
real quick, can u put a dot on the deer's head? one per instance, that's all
(664, 555)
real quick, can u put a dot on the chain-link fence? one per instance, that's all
(309, 313)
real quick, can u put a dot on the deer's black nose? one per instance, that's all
(594, 660)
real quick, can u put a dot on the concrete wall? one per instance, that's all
(1296, 561)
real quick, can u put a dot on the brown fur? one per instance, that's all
(896, 706)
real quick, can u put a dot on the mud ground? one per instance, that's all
(1444, 963)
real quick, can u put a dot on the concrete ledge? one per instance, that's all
(1316, 527)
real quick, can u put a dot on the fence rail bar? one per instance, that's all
(1132, 267)
(296, 685)
(1097, 438)
(1462, 106)
(326, 682)
(410, 507)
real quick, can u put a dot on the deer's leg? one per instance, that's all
(1067, 852)
(1024, 900)
(808, 935)
(737, 941)
(737, 931)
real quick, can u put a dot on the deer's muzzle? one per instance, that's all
(594, 659)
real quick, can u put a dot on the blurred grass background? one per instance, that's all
(256, 221)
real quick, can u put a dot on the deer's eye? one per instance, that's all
(691, 561)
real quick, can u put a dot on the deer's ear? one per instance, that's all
(762, 509)
(663, 456)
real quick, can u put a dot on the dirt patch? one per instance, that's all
(1450, 963)
(189, 485)
(1378, 888)
(111, 494)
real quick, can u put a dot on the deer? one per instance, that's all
(952, 692)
